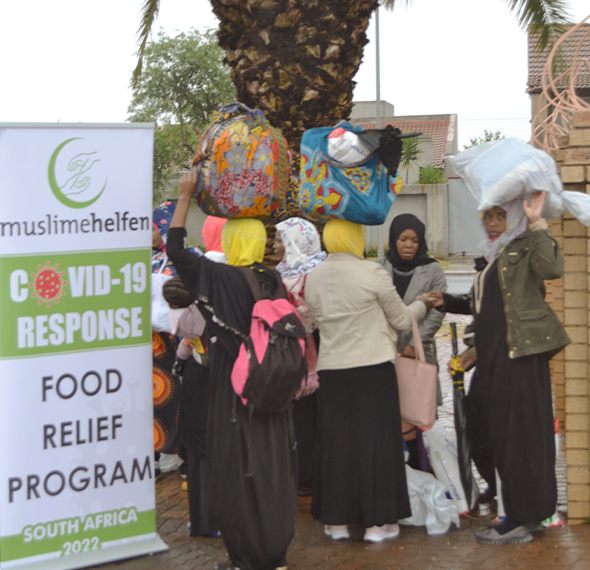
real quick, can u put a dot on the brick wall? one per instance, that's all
(570, 299)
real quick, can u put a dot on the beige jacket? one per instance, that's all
(357, 309)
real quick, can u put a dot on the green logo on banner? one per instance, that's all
(64, 302)
(76, 182)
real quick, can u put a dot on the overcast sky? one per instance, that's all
(71, 60)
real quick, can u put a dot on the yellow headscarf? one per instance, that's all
(243, 241)
(343, 236)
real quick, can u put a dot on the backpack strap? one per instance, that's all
(253, 283)
(281, 290)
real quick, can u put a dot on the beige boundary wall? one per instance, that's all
(570, 299)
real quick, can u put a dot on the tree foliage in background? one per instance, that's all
(411, 151)
(488, 136)
(184, 80)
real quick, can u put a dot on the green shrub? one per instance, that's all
(431, 175)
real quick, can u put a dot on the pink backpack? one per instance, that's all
(271, 363)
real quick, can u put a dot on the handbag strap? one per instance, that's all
(417, 338)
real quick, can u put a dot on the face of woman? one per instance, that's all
(156, 238)
(407, 244)
(278, 247)
(495, 222)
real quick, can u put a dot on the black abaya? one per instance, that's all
(512, 400)
(255, 514)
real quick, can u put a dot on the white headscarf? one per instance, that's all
(303, 249)
(516, 224)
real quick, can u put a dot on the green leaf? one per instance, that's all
(183, 81)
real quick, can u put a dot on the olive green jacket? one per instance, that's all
(532, 326)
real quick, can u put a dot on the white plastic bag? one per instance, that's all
(442, 454)
(500, 171)
(169, 462)
(160, 308)
(346, 147)
(430, 506)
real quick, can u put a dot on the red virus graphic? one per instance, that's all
(48, 284)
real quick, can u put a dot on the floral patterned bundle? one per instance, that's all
(243, 165)
(362, 193)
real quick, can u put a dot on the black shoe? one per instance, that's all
(304, 491)
(516, 535)
(182, 469)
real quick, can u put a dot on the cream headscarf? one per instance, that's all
(343, 236)
(244, 241)
(303, 250)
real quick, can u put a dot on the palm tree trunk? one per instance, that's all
(295, 59)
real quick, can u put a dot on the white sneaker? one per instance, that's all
(337, 531)
(381, 533)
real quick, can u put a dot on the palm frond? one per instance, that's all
(149, 13)
(547, 18)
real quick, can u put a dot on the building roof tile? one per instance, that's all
(538, 59)
(438, 131)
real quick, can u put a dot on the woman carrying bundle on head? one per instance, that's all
(361, 477)
(298, 246)
(509, 406)
(252, 460)
(413, 273)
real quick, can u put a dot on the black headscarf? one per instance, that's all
(400, 224)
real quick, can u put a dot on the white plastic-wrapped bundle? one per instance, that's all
(443, 456)
(501, 171)
(430, 506)
(346, 147)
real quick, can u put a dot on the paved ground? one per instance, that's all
(566, 548)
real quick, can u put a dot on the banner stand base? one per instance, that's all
(150, 544)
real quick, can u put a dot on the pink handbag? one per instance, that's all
(416, 381)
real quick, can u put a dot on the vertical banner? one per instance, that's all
(76, 429)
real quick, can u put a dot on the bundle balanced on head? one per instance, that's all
(509, 405)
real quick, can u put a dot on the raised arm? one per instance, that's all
(188, 185)
(185, 262)
(546, 260)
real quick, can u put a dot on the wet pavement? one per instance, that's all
(557, 548)
(566, 548)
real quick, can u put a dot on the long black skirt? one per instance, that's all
(509, 404)
(304, 419)
(360, 470)
(513, 403)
